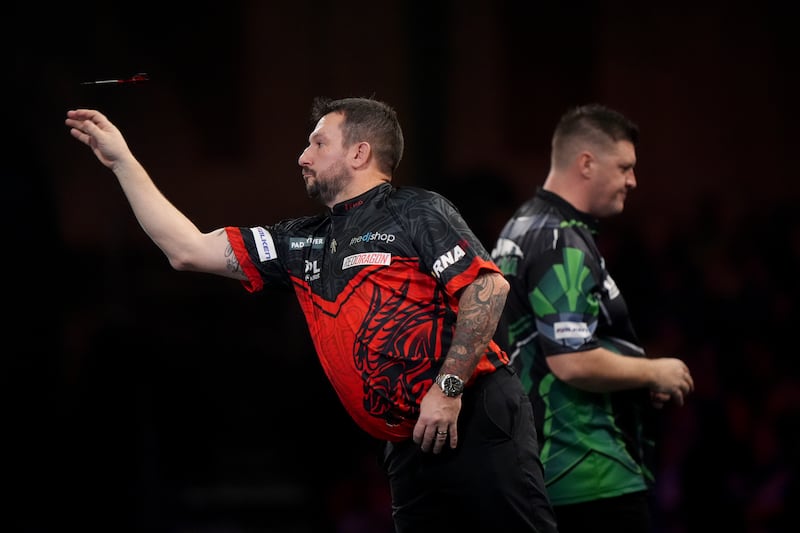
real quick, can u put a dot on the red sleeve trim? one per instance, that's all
(253, 283)
(468, 276)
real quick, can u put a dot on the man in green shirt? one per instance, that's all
(567, 329)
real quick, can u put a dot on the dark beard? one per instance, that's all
(327, 186)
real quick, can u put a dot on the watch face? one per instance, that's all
(452, 385)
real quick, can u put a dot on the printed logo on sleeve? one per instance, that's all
(264, 245)
(611, 286)
(506, 247)
(447, 259)
(571, 330)
(375, 258)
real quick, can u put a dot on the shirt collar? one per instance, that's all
(568, 210)
(346, 206)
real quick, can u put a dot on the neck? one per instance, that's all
(568, 187)
(358, 187)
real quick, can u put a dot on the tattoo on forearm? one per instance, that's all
(479, 311)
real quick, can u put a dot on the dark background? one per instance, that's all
(143, 399)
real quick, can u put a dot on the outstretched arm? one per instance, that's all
(186, 247)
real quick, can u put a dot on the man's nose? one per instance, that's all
(303, 159)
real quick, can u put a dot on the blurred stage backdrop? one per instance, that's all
(143, 399)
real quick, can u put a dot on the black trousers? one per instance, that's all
(491, 482)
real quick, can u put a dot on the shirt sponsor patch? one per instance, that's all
(447, 259)
(264, 245)
(298, 243)
(372, 236)
(571, 330)
(374, 258)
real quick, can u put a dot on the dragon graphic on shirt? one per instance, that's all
(401, 330)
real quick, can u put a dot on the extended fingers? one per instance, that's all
(85, 119)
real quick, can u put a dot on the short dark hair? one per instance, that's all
(594, 124)
(370, 120)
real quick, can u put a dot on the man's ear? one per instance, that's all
(586, 163)
(360, 154)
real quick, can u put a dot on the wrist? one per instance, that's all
(450, 384)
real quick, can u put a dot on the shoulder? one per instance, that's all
(297, 225)
(541, 228)
(533, 217)
(413, 193)
(410, 197)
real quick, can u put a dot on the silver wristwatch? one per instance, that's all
(450, 384)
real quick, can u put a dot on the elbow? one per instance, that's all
(499, 285)
(567, 367)
(181, 263)
(577, 379)
(567, 375)
(503, 286)
(581, 370)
